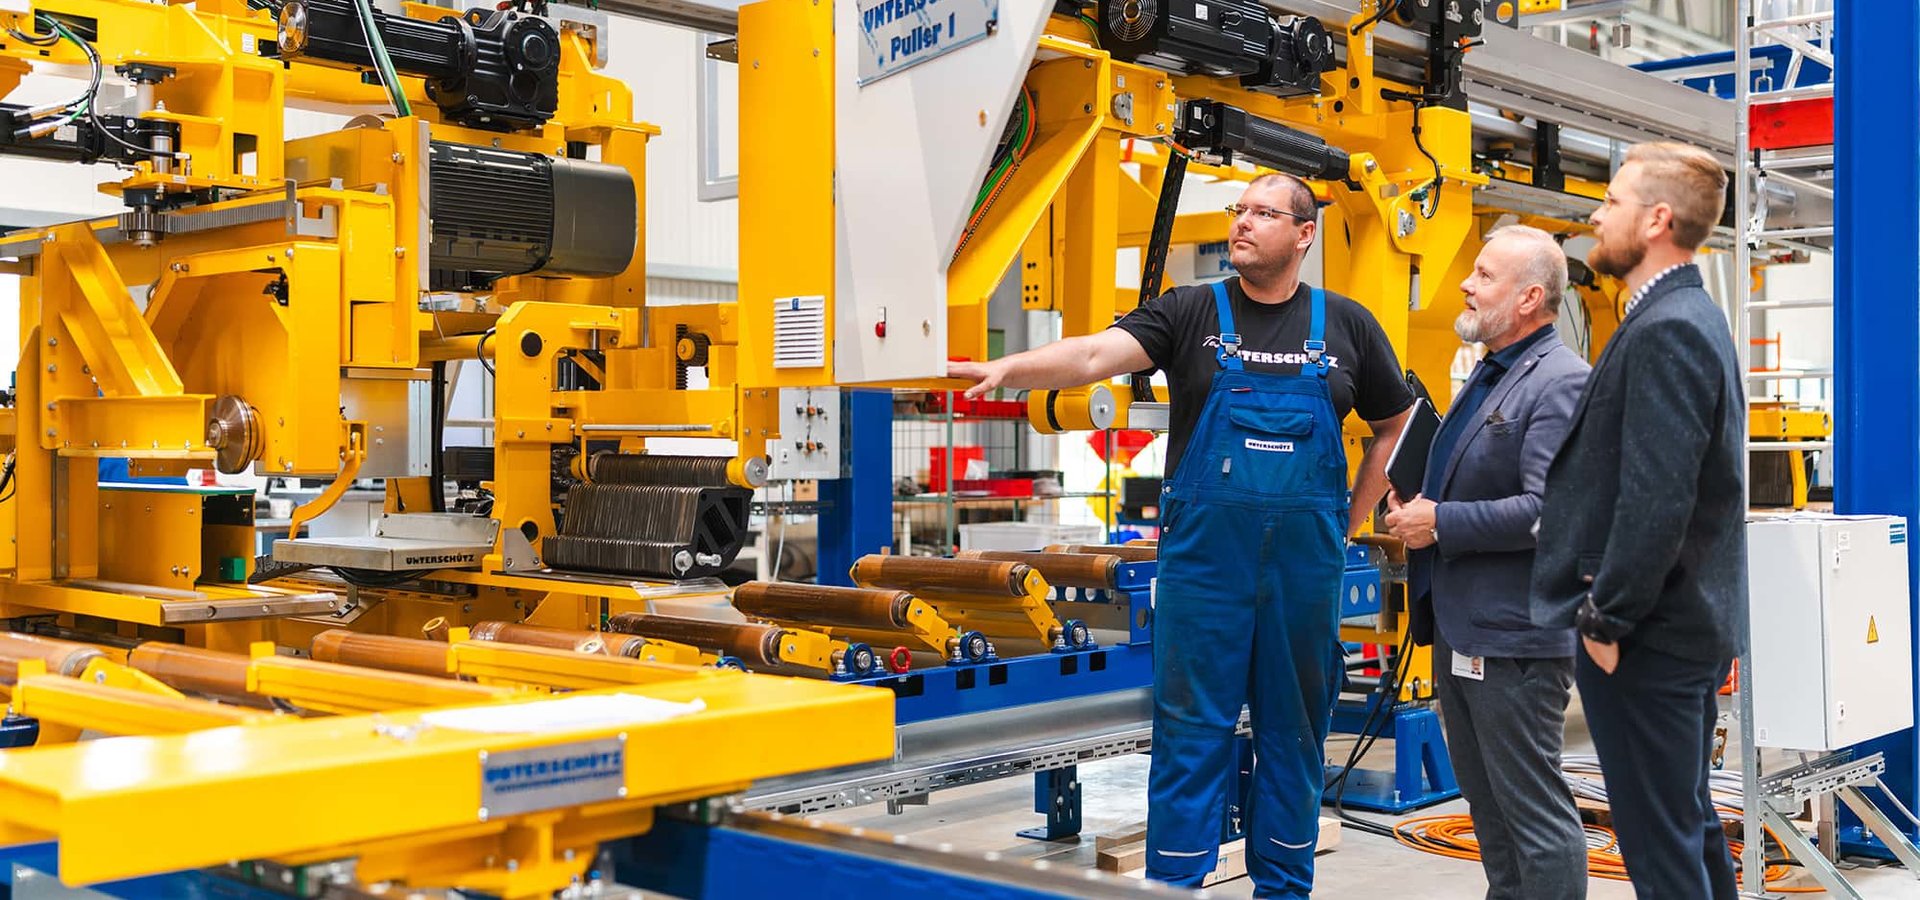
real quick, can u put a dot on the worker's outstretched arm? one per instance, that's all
(1062, 364)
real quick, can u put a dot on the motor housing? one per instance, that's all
(497, 213)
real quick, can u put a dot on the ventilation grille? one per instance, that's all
(1132, 20)
(799, 332)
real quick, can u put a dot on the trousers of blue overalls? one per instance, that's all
(1246, 613)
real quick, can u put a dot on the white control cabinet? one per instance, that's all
(1832, 651)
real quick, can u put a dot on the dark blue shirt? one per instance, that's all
(1466, 406)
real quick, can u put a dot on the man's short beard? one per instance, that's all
(1617, 261)
(1265, 271)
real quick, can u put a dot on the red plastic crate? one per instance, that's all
(937, 464)
(1792, 123)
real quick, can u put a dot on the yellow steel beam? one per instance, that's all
(333, 769)
(80, 704)
(347, 690)
(492, 662)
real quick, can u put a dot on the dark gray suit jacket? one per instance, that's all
(1489, 498)
(1645, 505)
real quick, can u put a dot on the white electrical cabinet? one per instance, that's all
(1832, 650)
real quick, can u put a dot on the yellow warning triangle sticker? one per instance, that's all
(1873, 631)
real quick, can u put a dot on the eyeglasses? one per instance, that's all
(1263, 213)
(1609, 201)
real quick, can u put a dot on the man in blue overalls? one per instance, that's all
(1261, 371)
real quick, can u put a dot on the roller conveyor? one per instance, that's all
(860, 618)
(1003, 600)
(1139, 551)
(1079, 570)
(754, 644)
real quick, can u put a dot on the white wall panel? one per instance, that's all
(659, 63)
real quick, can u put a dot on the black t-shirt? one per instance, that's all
(1180, 331)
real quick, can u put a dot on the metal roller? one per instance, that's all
(1128, 552)
(881, 610)
(757, 644)
(1080, 570)
(926, 574)
(193, 670)
(662, 530)
(381, 651)
(436, 629)
(649, 468)
(62, 657)
(577, 640)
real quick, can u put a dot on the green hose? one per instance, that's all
(382, 60)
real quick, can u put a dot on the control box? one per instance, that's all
(1832, 646)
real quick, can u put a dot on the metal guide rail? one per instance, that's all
(962, 750)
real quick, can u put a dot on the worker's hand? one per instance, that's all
(1606, 656)
(1413, 521)
(987, 374)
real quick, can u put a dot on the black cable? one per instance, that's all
(1426, 212)
(371, 578)
(1153, 264)
(480, 350)
(90, 100)
(46, 40)
(1371, 730)
(1386, 9)
(437, 464)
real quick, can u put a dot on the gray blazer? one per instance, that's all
(1481, 570)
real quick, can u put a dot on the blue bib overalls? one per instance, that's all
(1246, 612)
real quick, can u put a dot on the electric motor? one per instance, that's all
(499, 212)
(1230, 39)
(492, 69)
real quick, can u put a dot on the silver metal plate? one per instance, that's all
(381, 554)
(33, 884)
(1149, 416)
(570, 774)
(179, 612)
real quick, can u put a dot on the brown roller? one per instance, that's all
(925, 573)
(436, 629)
(1128, 552)
(1080, 570)
(62, 657)
(752, 643)
(193, 670)
(382, 651)
(577, 640)
(842, 606)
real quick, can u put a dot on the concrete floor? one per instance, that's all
(984, 818)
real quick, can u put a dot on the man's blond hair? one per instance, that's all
(1689, 181)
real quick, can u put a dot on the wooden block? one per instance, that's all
(1130, 859)
(1329, 835)
(1122, 859)
(1132, 834)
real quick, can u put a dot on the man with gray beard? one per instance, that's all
(1503, 682)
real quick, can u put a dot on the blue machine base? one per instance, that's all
(42, 860)
(1422, 773)
(925, 694)
(696, 861)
